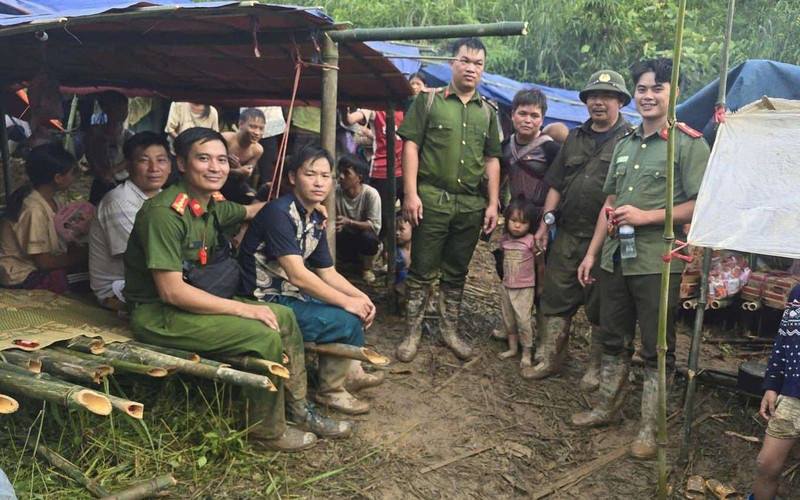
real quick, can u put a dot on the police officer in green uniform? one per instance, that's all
(576, 180)
(452, 142)
(630, 280)
(179, 228)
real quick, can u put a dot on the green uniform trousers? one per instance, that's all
(628, 299)
(444, 241)
(168, 326)
(562, 293)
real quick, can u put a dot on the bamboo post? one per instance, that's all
(348, 351)
(694, 352)
(8, 405)
(69, 139)
(257, 365)
(5, 153)
(669, 238)
(145, 489)
(429, 32)
(18, 357)
(131, 408)
(70, 366)
(330, 83)
(42, 386)
(90, 345)
(71, 470)
(390, 237)
(178, 353)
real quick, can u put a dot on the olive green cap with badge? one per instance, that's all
(609, 81)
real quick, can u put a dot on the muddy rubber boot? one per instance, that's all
(358, 379)
(450, 312)
(612, 390)
(415, 312)
(645, 447)
(290, 441)
(305, 416)
(552, 348)
(266, 418)
(331, 392)
(591, 379)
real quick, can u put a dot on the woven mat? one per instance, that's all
(32, 319)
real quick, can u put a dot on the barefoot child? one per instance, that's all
(781, 403)
(519, 279)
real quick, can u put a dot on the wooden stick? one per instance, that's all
(8, 405)
(349, 351)
(71, 470)
(469, 364)
(449, 461)
(145, 489)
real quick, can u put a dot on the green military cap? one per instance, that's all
(606, 80)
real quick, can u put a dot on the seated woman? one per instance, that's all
(285, 259)
(32, 255)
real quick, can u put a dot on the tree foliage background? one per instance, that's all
(570, 39)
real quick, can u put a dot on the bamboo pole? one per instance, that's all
(69, 140)
(390, 237)
(429, 32)
(8, 405)
(118, 363)
(669, 238)
(90, 345)
(17, 357)
(145, 489)
(257, 365)
(43, 386)
(689, 304)
(71, 470)
(73, 367)
(131, 408)
(720, 303)
(178, 353)
(694, 352)
(125, 352)
(349, 351)
(330, 88)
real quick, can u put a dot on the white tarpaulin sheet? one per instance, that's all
(750, 196)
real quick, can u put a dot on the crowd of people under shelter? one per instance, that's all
(194, 233)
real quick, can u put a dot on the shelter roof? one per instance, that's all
(213, 52)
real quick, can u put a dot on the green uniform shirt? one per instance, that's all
(163, 238)
(454, 138)
(579, 173)
(637, 176)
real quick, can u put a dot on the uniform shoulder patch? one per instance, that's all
(180, 202)
(490, 102)
(217, 196)
(686, 129)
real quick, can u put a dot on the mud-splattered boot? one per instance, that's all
(358, 379)
(307, 417)
(415, 313)
(331, 392)
(612, 390)
(591, 379)
(267, 422)
(551, 349)
(645, 447)
(450, 313)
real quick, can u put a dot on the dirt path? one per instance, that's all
(433, 410)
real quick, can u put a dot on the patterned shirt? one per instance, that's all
(783, 370)
(283, 227)
(518, 261)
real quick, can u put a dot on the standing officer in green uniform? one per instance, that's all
(576, 180)
(630, 281)
(180, 229)
(451, 141)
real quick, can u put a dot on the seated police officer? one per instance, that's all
(176, 245)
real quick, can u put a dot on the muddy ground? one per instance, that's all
(517, 431)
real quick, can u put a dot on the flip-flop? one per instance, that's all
(721, 491)
(695, 488)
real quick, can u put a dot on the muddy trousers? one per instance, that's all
(517, 308)
(168, 326)
(631, 299)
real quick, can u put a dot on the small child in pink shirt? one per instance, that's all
(519, 280)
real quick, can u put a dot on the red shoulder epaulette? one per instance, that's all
(686, 129)
(179, 205)
(217, 196)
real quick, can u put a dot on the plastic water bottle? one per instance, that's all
(627, 243)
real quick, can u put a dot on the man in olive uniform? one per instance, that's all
(630, 282)
(451, 141)
(576, 180)
(177, 230)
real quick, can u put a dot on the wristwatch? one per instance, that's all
(549, 218)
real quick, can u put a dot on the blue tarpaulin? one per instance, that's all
(407, 65)
(562, 105)
(747, 82)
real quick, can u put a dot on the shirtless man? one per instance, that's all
(244, 151)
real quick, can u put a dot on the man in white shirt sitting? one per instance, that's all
(148, 162)
(358, 215)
